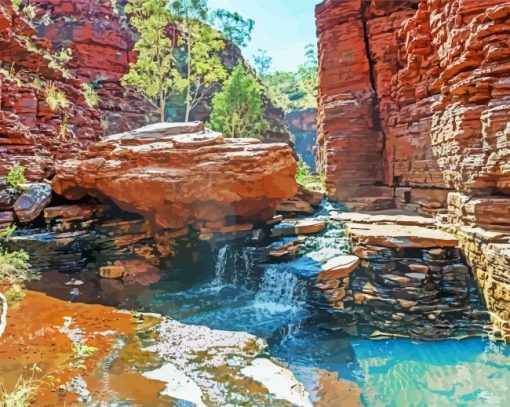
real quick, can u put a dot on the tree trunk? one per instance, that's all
(162, 105)
(188, 90)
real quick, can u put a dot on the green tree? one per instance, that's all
(262, 62)
(236, 29)
(296, 90)
(155, 72)
(309, 73)
(203, 46)
(237, 110)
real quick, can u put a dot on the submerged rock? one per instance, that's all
(176, 174)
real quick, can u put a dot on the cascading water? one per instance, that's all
(220, 269)
(280, 291)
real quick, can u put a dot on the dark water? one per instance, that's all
(225, 288)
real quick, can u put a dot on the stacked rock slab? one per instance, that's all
(90, 236)
(180, 174)
(412, 281)
(348, 137)
(439, 95)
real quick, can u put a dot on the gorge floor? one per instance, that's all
(224, 287)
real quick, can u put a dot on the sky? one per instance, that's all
(282, 27)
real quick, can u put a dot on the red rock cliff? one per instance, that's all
(101, 39)
(31, 133)
(414, 108)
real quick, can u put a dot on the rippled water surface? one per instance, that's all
(227, 290)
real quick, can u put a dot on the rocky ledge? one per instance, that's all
(179, 174)
(411, 280)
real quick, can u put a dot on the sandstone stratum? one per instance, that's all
(413, 114)
(177, 174)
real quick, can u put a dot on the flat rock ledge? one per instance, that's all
(178, 174)
(411, 280)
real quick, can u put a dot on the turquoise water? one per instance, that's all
(274, 304)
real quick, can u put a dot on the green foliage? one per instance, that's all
(16, 176)
(16, 4)
(20, 396)
(296, 90)
(80, 353)
(236, 29)
(155, 72)
(90, 95)
(11, 75)
(7, 232)
(303, 172)
(14, 266)
(237, 110)
(55, 98)
(83, 351)
(262, 62)
(307, 179)
(29, 12)
(202, 47)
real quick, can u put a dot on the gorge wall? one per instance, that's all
(33, 133)
(414, 105)
(101, 39)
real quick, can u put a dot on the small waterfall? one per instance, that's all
(233, 266)
(220, 269)
(280, 291)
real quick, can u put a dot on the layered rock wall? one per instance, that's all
(429, 78)
(32, 132)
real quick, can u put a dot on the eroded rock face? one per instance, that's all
(180, 174)
(428, 78)
(414, 110)
(31, 133)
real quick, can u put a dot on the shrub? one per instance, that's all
(238, 110)
(29, 12)
(307, 179)
(16, 5)
(55, 98)
(16, 177)
(90, 95)
(14, 266)
(303, 172)
(23, 392)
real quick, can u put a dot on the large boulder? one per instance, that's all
(176, 174)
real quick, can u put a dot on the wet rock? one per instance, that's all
(339, 267)
(399, 236)
(298, 227)
(7, 195)
(32, 202)
(6, 218)
(111, 272)
(412, 281)
(295, 205)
